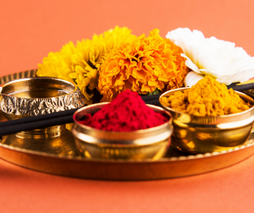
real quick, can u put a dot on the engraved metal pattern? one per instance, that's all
(39, 106)
(33, 96)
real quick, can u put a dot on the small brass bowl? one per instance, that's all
(196, 134)
(38, 95)
(149, 143)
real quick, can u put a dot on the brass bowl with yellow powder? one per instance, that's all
(205, 134)
(151, 143)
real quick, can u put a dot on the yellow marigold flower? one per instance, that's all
(142, 64)
(58, 64)
(80, 64)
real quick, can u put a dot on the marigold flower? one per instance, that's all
(142, 64)
(80, 64)
(58, 64)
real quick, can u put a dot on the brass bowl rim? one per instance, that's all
(141, 131)
(75, 88)
(199, 118)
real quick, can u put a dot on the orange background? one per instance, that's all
(31, 29)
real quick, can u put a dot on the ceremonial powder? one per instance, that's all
(207, 97)
(127, 112)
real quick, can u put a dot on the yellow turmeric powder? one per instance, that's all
(206, 98)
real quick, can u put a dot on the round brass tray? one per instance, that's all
(59, 156)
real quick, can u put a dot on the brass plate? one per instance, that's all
(59, 156)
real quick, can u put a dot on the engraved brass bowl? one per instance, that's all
(151, 143)
(196, 134)
(38, 95)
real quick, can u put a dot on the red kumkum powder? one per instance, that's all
(127, 112)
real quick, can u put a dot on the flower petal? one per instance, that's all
(192, 78)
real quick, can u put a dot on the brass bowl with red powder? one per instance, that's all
(207, 134)
(151, 143)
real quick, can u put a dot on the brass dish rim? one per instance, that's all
(131, 170)
(165, 159)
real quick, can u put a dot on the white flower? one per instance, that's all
(214, 57)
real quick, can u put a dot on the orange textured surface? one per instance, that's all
(31, 29)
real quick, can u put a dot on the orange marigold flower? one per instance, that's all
(142, 64)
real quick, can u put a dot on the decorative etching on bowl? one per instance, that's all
(39, 106)
(37, 96)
